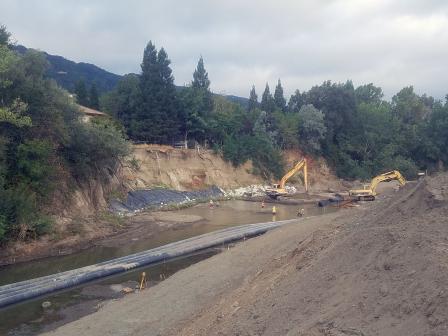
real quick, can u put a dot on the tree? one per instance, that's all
(267, 102)
(408, 106)
(38, 148)
(311, 129)
(93, 97)
(5, 36)
(338, 103)
(288, 125)
(200, 76)
(157, 117)
(201, 87)
(196, 105)
(123, 102)
(253, 100)
(12, 113)
(296, 101)
(81, 93)
(437, 133)
(279, 99)
(369, 94)
(193, 121)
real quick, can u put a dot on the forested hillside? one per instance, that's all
(43, 144)
(68, 73)
(354, 128)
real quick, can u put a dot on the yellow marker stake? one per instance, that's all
(143, 281)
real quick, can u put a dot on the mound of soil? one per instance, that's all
(384, 273)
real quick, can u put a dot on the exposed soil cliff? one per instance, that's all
(185, 169)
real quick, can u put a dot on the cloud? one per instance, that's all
(390, 43)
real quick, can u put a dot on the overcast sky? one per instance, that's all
(392, 43)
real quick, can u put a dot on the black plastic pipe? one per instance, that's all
(29, 289)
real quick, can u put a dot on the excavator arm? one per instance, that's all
(279, 189)
(386, 177)
(297, 167)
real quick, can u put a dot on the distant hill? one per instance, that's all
(244, 102)
(66, 73)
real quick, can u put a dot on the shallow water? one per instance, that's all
(30, 318)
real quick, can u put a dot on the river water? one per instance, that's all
(30, 318)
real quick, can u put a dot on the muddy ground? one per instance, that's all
(379, 269)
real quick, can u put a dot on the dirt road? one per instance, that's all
(380, 269)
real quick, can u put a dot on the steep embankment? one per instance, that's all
(185, 169)
(81, 210)
(380, 269)
(155, 166)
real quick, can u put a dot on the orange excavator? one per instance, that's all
(279, 189)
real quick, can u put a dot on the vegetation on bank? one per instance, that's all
(359, 132)
(43, 143)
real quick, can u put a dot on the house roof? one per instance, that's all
(89, 111)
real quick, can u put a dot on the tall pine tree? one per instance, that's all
(279, 99)
(253, 100)
(197, 105)
(200, 76)
(168, 101)
(156, 119)
(267, 102)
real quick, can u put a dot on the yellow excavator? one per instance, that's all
(279, 189)
(369, 191)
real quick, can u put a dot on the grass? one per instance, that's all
(116, 220)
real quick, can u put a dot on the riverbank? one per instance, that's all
(379, 269)
(140, 216)
(110, 230)
(145, 213)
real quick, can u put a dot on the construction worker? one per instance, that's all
(274, 210)
(211, 204)
(262, 204)
(301, 212)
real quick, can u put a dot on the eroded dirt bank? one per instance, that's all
(81, 215)
(380, 269)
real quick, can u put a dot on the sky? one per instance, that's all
(391, 43)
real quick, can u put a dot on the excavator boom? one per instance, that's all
(301, 164)
(279, 189)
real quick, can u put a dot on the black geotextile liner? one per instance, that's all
(141, 199)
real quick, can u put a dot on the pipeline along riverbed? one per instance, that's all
(76, 302)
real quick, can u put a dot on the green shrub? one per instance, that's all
(94, 146)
